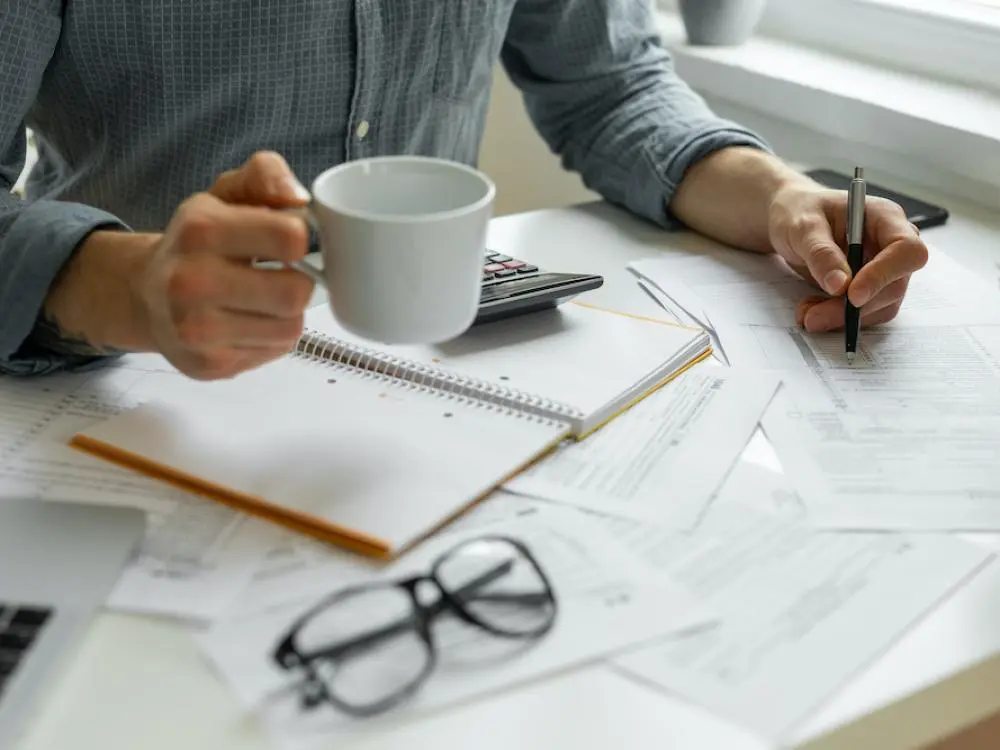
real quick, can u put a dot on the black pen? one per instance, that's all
(855, 257)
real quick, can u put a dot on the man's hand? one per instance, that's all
(808, 228)
(751, 200)
(209, 311)
(193, 293)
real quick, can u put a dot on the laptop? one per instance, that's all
(58, 564)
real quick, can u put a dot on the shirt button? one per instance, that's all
(362, 129)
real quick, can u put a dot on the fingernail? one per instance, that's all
(860, 296)
(297, 188)
(834, 281)
(821, 321)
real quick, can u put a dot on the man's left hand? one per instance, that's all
(808, 227)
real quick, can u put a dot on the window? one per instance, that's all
(953, 40)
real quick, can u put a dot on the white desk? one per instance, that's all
(140, 683)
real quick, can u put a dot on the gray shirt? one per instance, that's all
(138, 103)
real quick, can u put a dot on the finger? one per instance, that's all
(204, 282)
(265, 179)
(891, 295)
(204, 224)
(883, 315)
(827, 315)
(898, 251)
(802, 270)
(818, 315)
(216, 364)
(811, 239)
(804, 306)
(208, 329)
(282, 293)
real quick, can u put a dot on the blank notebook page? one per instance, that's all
(577, 355)
(387, 461)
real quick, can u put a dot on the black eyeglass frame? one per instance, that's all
(288, 656)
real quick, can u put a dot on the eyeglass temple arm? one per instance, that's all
(463, 594)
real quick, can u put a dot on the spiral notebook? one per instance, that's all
(372, 448)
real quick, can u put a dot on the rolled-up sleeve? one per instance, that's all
(603, 93)
(36, 238)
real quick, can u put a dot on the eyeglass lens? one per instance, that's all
(372, 640)
(385, 651)
(497, 585)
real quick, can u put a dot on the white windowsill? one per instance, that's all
(923, 129)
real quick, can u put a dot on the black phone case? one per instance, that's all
(921, 213)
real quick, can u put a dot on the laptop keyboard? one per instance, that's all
(19, 629)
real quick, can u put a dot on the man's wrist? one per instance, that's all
(93, 308)
(728, 195)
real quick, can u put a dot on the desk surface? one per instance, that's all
(140, 683)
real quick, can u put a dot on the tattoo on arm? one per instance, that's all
(50, 336)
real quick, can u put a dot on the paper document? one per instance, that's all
(907, 471)
(296, 566)
(41, 414)
(763, 290)
(802, 611)
(682, 316)
(194, 560)
(908, 438)
(664, 458)
(606, 601)
(196, 555)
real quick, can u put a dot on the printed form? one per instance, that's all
(607, 601)
(803, 611)
(908, 438)
(664, 458)
(196, 555)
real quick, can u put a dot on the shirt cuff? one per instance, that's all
(34, 249)
(668, 162)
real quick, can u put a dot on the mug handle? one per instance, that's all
(306, 214)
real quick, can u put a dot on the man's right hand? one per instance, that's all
(210, 312)
(193, 293)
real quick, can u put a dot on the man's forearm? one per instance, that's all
(727, 196)
(93, 307)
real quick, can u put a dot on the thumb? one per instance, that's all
(813, 242)
(264, 179)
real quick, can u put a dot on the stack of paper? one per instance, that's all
(196, 556)
(607, 601)
(676, 560)
(907, 437)
(664, 459)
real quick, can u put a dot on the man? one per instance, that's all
(168, 129)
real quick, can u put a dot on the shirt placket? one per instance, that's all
(360, 135)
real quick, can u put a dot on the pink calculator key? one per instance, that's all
(513, 264)
(493, 267)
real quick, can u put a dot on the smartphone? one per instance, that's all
(921, 213)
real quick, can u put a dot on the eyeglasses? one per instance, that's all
(367, 648)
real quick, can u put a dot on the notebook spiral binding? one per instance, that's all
(403, 373)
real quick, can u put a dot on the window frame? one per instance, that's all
(956, 41)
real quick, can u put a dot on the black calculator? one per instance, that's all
(514, 287)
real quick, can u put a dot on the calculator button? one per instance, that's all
(513, 263)
(527, 269)
(505, 273)
(487, 276)
(498, 258)
(493, 268)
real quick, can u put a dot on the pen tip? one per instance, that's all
(859, 173)
(850, 358)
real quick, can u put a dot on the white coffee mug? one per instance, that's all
(402, 240)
